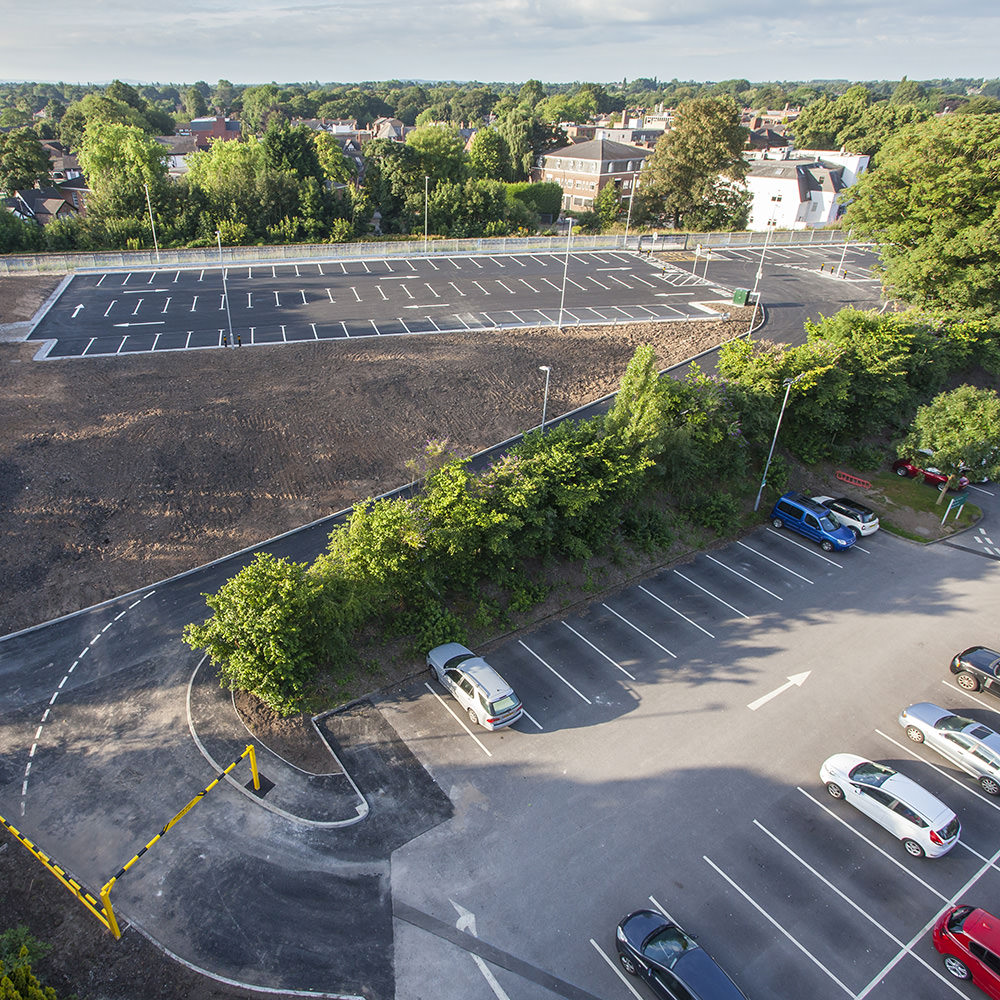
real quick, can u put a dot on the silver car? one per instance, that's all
(487, 698)
(970, 745)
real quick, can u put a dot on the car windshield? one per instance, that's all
(871, 774)
(666, 946)
(505, 704)
(954, 724)
(828, 523)
(456, 660)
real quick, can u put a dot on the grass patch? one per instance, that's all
(910, 508)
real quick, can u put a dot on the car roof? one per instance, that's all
(932, 714)
(853, 504)
(917, 798)
(699, 971)
(804, 501)
(486, 677)
(984, 928)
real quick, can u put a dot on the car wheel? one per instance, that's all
(989, 785)
(956, 967)
(913, 848)
(473, 718)
(777, 522)
(826, 546)
(968, 681)
(628, 965)
(902, 471)
(835, 790)
(914, 734)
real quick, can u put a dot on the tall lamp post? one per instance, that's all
(756, 280)
(840, 266)
(545, 399)
(788, 383)
(149, 206)
(562, 297)
(225, 290)
(426, 181)
(631, 196)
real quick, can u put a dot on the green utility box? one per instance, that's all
(740, 296)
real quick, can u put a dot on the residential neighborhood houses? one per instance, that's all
(786, 187)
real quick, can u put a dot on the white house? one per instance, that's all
(800, 191)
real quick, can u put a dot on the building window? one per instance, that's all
(775, 197)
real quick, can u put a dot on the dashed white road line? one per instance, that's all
(55, 694)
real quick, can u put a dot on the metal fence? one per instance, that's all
(64, 263)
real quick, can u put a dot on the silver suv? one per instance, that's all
(487, 698)
(975, 748)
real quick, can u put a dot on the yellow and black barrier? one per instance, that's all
(103, 910)
(60, 873)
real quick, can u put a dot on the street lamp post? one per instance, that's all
(149, 206)
(788, 383)
(756, 280)
(562, 297)
(631, 196)
(545, 399)
(840, 266)
(426, 181)
(225, 290)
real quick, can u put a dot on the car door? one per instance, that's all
(987, 975)
(876, 804)
(667, 985)
(959, 749)
(451, 680)
(810, 525)
(465, 693)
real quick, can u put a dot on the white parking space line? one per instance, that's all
(530, 716)
(457, 289)
(472, 260)
(885, 854)
(106, 311)
(968, 694)
(662, 909)
(572, 282)
(636, 277)
(645, 635)
(767, 916)
(505, 288)
(972, 789)
(454, 263)
(103, 276)
(480, 287)
(374, 327)
(552, 284)
(385, 298)
(735, 572)
(517, 260)
(675, 611)
(430, 289)
(614, 968)
(447, 708)
(497, 262)
(600, 652)
(556, 672)
(194, 302)
(805, 548)
(619, 280)
(710, 594)
(750, 548)
(600, 283)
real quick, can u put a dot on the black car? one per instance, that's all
(669, 960)
(977, 667)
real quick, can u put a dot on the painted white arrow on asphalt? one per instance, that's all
(467, 922)
(153, 322)
(77, 309)
(794, 680)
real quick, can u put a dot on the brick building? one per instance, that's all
(583, 169)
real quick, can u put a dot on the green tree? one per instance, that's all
(292, 149)
(637, 415)
(931, 204)
(694, 165)
(489, 157)
(440, 152)
(273, 624)
(261, 105)
(962, 428)
(607, 205)
(336, 167)
(118, 161)
(194, 103)
(23, 160)
(907, 92)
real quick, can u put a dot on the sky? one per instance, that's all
(258, 41)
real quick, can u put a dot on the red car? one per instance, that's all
(969, 940)
(932, 476)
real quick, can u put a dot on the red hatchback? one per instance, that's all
(969, 939)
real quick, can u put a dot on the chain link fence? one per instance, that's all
(66, 263)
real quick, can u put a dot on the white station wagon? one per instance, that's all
(487, 698)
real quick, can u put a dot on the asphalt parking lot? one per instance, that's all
(670, 759)
(112, 313)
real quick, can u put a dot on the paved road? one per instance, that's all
(164, 310)
(96, 753)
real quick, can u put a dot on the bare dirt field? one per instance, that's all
(118, 472)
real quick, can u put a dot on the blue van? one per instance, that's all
(798, 512)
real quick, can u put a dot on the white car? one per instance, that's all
(860, 519)
(487, 698)
(925, 825)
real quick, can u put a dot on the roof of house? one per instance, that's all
(810, 175)
(42, 204)
(208, 124)
(764, 138)
(600, 149)
(179, 145)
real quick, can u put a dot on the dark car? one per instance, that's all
(977, 667)
(673, 964)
